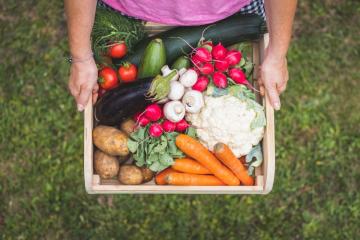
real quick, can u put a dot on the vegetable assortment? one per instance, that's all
(163, 123)
(232, 30)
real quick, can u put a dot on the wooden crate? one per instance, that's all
(264, 174)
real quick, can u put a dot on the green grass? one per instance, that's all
(316, 190)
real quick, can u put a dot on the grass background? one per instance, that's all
(316, 191)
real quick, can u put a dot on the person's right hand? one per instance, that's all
(83, 82)
(273, 78)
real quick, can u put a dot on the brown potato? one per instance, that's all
(130, 175)
(123, 159)
(147, 174)
(105, 165)
(128, 126)
(110, 140)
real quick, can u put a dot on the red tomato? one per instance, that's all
(108, 78)
(128, 72)
(117, 50)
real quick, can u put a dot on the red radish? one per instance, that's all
(196, 70)
(201, 84)
(182, 125)
(219, 52)
(208, 45)
(155, 130)
(233, 57)
(137, 116)
(206, 68)
(220, 80)
(238, 76)
(221, 65)
(153, 112)
(202, 54)
(143, 121)
(162, 114)
(195, 60)
(168, 126)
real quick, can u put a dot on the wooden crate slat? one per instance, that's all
(269, 136)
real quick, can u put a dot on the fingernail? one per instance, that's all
(277, 106)
(80, 107)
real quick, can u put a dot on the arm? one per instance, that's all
(274, 73)
(83, 71)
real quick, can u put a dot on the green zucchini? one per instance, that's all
(181, 62)
(153, 60)
(235, 29)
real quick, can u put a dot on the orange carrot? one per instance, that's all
(188, 179)
(226, 156)
(197, 151)
(188, 165)
(160, 177)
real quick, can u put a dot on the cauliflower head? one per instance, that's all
(229, 120)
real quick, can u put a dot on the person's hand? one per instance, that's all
(83, 82)
(273, 78)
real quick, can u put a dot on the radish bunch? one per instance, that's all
(219, 64)
(154, 115)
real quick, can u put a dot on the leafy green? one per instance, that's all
(245, 63)
(191, 132)
(132, 145)
(248, 68)
(110, 27)
(254, 158)
(241, 92)
(213, 91)
(155, 153)
(259, 120)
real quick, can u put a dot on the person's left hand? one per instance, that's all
(273, 77)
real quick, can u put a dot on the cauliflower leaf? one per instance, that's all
(254, 159)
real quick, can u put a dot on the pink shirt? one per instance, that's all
(178, 12)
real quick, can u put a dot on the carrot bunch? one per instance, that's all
(187, 172)
(203, 168)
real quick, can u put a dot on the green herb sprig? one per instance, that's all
(155, 153)
(111, 27)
